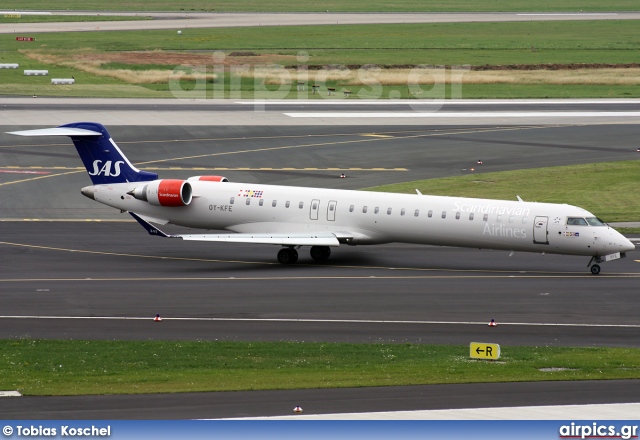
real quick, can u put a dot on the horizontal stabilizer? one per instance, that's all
(57, 131)
(310, 239)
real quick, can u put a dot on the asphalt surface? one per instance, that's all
(187, 21)
(323, 111)
(58, 265)
(328, 401)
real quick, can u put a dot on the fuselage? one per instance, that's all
(374, 218)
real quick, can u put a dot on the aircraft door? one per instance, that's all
(540, 230)
(331, 210)
(315, 207)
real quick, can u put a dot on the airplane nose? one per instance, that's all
(627, 246)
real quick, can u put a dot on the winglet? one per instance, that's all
(152, 230)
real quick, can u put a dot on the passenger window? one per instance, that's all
(301, 205)
(351, 208)
(274, 203)
(458, 215)
(444, 214)
(364, 209)
(233, 199)
(376, 210)
(388, 211)
(417, 213)
(287, 204)
(430, 214)
(261, 202)
(499, 218)
(314, 206)
(471, 216)
(331, 207)
(524, 220)
(248, 201)
(402, 211)
(510, 219)
(485, 217)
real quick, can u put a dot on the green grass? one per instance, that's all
(49, 367)
(590, 186)
(592, 40)
(14, 82)
(328, 5)
(600, 42)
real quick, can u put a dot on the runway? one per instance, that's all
(172, 20)
(67, 261)
(195, 109)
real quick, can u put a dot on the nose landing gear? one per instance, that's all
(595, 268)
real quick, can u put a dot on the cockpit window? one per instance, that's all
(595, 221)
(576, 221)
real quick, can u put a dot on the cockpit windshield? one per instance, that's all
(576, 221)
(595, 221)
(589, 221)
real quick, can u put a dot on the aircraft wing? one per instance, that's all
(297, 239)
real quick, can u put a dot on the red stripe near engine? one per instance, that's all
(170, 192)
(213, 178)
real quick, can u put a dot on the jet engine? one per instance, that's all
(209, 178)
(165, 192)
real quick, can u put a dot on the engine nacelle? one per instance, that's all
(165, 192)
(209, 178)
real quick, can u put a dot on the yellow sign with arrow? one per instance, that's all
(482, 350)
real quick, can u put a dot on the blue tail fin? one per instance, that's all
(103, 159)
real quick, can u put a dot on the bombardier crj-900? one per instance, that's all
(292, 217)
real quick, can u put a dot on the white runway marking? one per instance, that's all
(341, 321)
(506, 114)
(615, 411)
(543, 14)
(435, 102)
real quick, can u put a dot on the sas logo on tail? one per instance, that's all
(106, 168)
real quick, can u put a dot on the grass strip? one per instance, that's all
(327, 5)
(608, 189)
(378, 41)
(476, 44)
(53, 367)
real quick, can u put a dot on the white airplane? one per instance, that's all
(292, 217)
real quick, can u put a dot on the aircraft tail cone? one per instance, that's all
(157, 318)
(297, 410)
(492, 323)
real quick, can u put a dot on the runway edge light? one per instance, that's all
(492, 323)
(157, 318)
(297, 409)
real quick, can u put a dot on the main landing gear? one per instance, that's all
(289, 255)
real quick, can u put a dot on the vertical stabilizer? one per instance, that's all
(102, 158)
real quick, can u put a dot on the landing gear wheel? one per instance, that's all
(320, 253)
(595, 269)
(287, 256)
